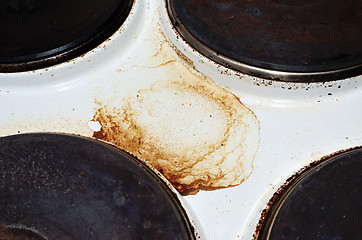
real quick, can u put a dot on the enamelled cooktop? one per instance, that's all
(173, 119)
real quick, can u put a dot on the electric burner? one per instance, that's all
(56, 186)
(299, 41)
(323, 202)
(41, 33)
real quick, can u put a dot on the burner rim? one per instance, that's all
(275, 203)
(165, 187)
(72, 50)
(298, 76)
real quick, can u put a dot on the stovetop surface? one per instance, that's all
(299, 122)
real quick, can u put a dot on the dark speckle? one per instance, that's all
(255, 12)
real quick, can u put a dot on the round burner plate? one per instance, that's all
(69, 187)
(41, 33)
(323, 202)
(302, 41)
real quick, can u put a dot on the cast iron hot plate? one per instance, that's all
(55, 186)
(40, 33)
(304, 40)
(323, 202)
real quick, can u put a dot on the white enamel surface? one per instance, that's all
(300, 123)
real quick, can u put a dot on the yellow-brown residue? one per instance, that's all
(198, 135)
(157, 66)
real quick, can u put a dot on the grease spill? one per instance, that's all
(197, 134)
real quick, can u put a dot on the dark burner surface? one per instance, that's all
(16, 233)
(324, 202)
(304, 36)
(39, 33)
(67, 187)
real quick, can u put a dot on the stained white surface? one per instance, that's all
(300, 123)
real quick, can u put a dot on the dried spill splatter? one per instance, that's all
(197, 134)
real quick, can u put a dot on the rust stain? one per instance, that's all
(197, 134)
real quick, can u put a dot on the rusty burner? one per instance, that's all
(56, 186)
(299, 41)
(322, 201)
(41, 33)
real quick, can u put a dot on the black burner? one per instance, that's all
(16, 233)
(305, 40)
(323, 202)
(67, 187)
(40, 33)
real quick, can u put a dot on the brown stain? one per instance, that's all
(215, 165)
(279, 193)
(186, 60)
(149, 67)
(121, 127)
(4, 234)
(183, 57)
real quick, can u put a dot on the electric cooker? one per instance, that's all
(296, 65)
